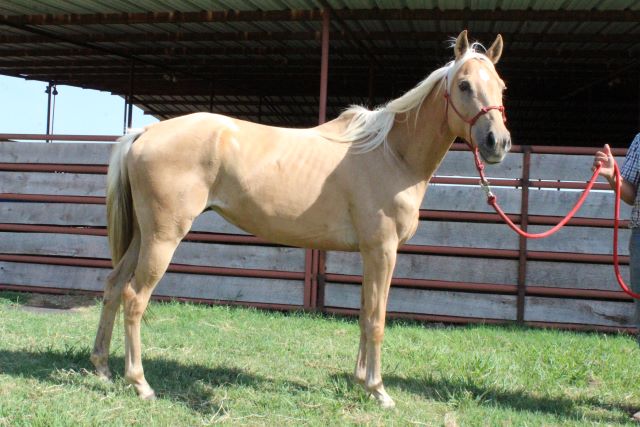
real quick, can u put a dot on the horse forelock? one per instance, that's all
(368, 129)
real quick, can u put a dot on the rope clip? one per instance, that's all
(484, 184)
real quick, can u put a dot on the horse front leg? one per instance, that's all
(361, 362)
(378, 263)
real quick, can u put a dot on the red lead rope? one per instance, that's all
(493, 201)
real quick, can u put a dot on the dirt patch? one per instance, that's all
(45, 303)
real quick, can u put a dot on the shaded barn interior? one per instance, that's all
(572, 73)
(571, 67)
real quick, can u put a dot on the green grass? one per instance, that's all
(239, 366)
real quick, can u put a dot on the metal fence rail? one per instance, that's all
(462, 265)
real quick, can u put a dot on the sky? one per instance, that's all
(23, 109)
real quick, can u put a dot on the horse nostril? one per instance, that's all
(491, 140)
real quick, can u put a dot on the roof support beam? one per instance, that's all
(316, 15)
(221, 36)
(513, 54)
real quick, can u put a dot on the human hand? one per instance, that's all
(604, 159)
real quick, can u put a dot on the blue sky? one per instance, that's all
(23, 109)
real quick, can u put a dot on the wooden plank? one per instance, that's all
(585, 312)
(448, 197)
(68, 245)
(465, 234)
(189, 253)
(53, 276)
(241, 256)
(93, 153)
(434, 267)
(461, 163)
(69, 214)
(599, 204)
(563, 167)
(240, 289)
(574, 275)
(90, 215)
(443, 303)
(587, 240)
(59, 184)
(237, 289)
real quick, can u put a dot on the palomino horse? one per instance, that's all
(353, 184)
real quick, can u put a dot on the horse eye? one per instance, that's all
(464, 86)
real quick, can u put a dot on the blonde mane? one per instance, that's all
(368, 129)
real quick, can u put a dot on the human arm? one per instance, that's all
(605, 159)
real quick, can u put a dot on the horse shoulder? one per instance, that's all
(407, 210)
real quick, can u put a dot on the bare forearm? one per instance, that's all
(627, 190)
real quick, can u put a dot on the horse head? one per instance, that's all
(473, 95)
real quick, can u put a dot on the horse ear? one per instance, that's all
(495, 51)
(462, 44)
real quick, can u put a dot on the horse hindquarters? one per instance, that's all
(168, 195)
(166, 200)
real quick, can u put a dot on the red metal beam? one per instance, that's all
(324, 67)
(53, 199)
(42, 137)
(50, 167)
(176, 268)
(547, 291)
(100, 231)
(316, 267)
(431, 284)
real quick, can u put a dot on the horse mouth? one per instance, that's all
(491, 157)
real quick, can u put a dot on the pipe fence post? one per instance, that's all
(524, 221)
(316, 288)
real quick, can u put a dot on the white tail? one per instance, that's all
(119, 203)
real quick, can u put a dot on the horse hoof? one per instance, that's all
(102, 368)
(103, 373)
(387, 403)
(150, 395)
(104, 376)
(383, 400)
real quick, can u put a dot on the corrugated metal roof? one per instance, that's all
(571, 65)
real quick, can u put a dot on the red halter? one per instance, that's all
(472, 121)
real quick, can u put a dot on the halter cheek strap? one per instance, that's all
(472, 121)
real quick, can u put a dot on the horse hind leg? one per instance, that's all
(155, 256)
(116, 282)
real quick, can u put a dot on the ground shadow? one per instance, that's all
(444, 390)
(193, 384)
(36, 302)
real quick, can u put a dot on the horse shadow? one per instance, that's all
(193, 384)
(446, 390)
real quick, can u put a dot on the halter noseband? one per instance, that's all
(472, 121)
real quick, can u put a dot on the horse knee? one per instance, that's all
(132, 304)
(375, 332)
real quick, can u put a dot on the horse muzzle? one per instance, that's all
(493, 148)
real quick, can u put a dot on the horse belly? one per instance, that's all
(295, 211)
(317, 230)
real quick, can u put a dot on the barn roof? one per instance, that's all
(571, 66)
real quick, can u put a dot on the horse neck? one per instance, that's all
(423, 141)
